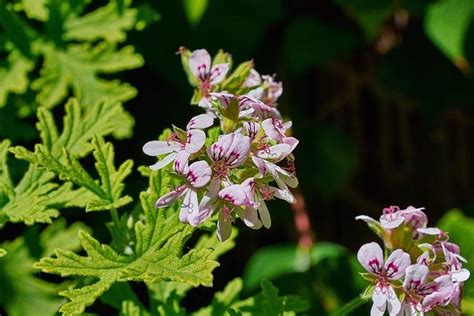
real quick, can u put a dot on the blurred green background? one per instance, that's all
(381, 94)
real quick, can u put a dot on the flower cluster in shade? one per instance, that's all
(234, 157)
(419, 270)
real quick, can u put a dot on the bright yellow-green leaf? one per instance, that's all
(14, 78)
(447, 23)
(195, 10)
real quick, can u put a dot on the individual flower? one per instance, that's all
(206, 74)
(230, 151)
(180, 145)
(197, 175)
(268, 91)
(385, 274)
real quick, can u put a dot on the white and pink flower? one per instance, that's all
(384, 297)
(197, 176)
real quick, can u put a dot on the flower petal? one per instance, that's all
(393, 303)
(274, 129)
(170, 197)
(249, 217)
(232, 148)
(275, 153)
(396, 264)
(218, 73)
(164, 162)
(285, 195)
(194, 141)
(461, 275)
(190, 206)
(200, 121)
(379, 297)
(443, 293)
(236, 195)
(370, 257)
(391, 221)
(415, 276)
(432, 231)
(200, 63)
(181, 162)
(158, 147)
(377, 311)
(253, 79)
(199, 174)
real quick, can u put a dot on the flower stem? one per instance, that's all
(350, 306)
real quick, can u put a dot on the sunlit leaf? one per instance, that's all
(447, 23)
(195, 10)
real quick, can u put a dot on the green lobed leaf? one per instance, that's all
(157, 256)
(14, 77)
(35, 9)
(17, 275)
(78, 68)
(36, 198)
(130, 308)
(103, 23)
(222, 301)
(447, 23)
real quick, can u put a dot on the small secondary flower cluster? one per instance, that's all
(230, 169)
(423, 270)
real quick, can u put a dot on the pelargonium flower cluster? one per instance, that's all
(234, 157)
(419, 270)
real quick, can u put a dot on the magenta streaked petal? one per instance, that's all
(415, 276)
(444, 288)
(195, 140)
(233, 149)
(181, 162)
(170, 197)
(370, 257)
(164, 162)
(157, 147)
(274, 129)
(236, 195)
(223, 98)
(200, 63)
(201, 121)
(396, 264)
(218, 73)
(199, 174)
